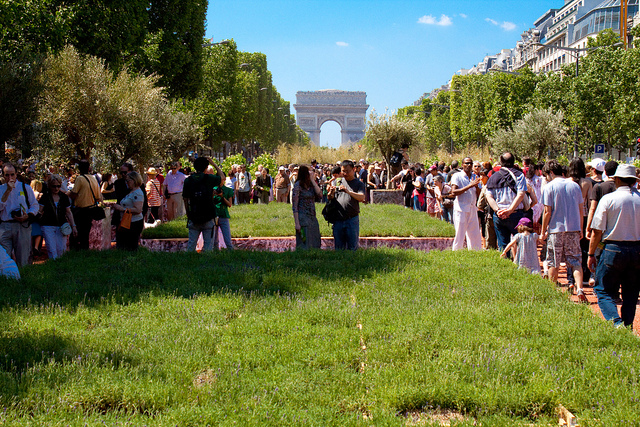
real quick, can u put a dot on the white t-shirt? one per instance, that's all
(465, 202)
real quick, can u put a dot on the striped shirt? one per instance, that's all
(153, 192)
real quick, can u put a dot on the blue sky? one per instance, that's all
(392, 50)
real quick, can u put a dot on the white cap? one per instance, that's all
(597, 164)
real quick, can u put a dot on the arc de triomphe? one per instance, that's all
(348, 109)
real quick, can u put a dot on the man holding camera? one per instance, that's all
(349, 192)
(18, 206)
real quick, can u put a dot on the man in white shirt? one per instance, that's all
(18, 205)
(465, 218)
(615, 226)
(172, 184)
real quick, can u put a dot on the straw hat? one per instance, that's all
(152, 171)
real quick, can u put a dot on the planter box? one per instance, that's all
(387, 196)
(283, 244)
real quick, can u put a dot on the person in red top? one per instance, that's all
(154, 196)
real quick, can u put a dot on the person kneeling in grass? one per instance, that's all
(525, 244)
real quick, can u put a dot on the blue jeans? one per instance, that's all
(206, 228)
(505, 228)
(346, 234)
(223, 224)
(619, 265)
(447, 215)
(416, 204)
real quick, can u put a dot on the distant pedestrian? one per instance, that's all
(306, 193)
(465, 218)
(154, 196)
(562, 224)
(173, 184)
(349, 192)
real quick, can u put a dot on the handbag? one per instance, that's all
(333, 211)
(125, 222)
(66, 229)
(96, 213)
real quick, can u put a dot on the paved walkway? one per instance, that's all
(591, 296)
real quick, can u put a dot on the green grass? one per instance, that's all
(258, 338)
(276, 219)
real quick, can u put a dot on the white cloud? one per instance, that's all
(342, 44)
(444, 20)
(463, 16)
(507, 26)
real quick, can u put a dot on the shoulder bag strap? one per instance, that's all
(95, 201)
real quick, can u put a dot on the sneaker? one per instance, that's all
(592, 282)
(571, 289)
(582, 297)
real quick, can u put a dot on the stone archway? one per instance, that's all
(348, 109)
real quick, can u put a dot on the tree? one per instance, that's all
(217, 107)
(387, 132)
(20, 87)
(88, 111)
(469, 110)
(537, 133)
(40, 26)
(180, 24)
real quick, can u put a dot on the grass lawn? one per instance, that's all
(320, 338)
(276, 219)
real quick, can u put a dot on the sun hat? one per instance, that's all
(152, 171)
(524, 221)
(597, 164)
(625, 171)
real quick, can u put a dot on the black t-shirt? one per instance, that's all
(54, 215)
(348, 203)
(198, 189)
(600, 189)
(407, 180)
(450, 174)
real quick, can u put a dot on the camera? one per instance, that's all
(16, 213)
(217, 190)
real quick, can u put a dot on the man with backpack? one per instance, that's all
(506, 194)
(199, 203)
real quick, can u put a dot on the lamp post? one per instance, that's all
(223, 42)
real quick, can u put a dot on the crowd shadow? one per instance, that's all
(96, 277)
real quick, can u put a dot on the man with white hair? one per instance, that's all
(282, 185)
(616, 231)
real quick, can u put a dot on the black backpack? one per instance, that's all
(201, 205)
(395, 159)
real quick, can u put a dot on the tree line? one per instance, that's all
(539, 115)
(130, 80)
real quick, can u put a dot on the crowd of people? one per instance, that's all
(583, 215)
